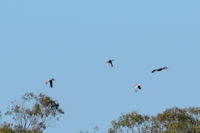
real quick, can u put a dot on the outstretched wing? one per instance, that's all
(51, 83)
(139, 87)
(154, 70)
(164, 68)
(111, 64)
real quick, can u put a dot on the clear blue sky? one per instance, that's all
(71, 41)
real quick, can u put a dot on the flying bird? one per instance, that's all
(110, 62)
(159, 69)
(137, 87)
(50, 82)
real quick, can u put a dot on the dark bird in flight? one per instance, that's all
(110, 62)
(50, 82)
(137, 87)
(159, 69)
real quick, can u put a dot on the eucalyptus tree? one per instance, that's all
(131, 123)
(34, 113)
(173, 120)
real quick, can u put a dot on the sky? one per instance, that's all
(71, 40)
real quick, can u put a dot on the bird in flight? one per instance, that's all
(159, 69)
(110, 62)
(137, 87)
(50, 82)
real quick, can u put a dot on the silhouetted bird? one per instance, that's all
(50, 82)
(159, 69)
(110, 62)
(137, 86)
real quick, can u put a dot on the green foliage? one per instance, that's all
(6, 128)
(34, 113)
(177, 120)
(174, 120)
(131, 122)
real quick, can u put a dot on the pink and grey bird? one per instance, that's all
(137, 87)
(110, 62)
(50, 82)
(159, 69)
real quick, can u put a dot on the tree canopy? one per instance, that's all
(32, 115)
(173, 120)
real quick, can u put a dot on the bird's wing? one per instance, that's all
(139, 87)
(164, 68)
(135, 90)
(111, 64)
(51, 84)
(154, 70)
